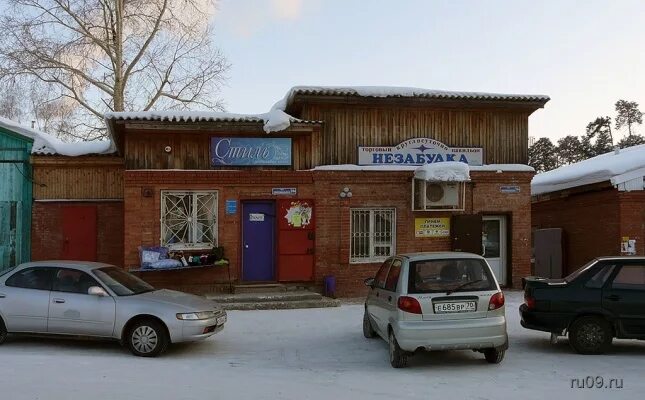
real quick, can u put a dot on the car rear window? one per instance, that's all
(431, 276)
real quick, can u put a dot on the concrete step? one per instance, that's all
(260, 288)
(291, 299)
(264, 297)
(283, 305)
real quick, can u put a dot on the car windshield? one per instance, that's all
(121, 282)
(571, 277)
(458, 275)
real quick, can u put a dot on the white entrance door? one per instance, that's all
(494, 245)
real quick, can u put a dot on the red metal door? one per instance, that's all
(79, 233)
(296, 240)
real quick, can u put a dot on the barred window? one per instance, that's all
(188, 219)
(372, 232)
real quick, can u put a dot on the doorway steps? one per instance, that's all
(272, 297)
(260, 288)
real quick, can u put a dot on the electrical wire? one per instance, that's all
(29, 178)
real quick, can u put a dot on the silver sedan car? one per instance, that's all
(436, 301)
(103, 301)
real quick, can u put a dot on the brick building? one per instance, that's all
(327, 183)
(589, 209)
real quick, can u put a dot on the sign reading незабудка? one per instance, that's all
(419, 151)
(250, 151)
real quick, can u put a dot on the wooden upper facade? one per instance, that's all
(333, 127)
(77, 178)
(186, 145)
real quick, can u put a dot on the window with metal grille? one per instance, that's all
(189, 219)
(372, 232)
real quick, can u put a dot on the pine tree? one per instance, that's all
(600, 130)
(628, 114)
(603, 143)
(570, 150)
(631, 140)
(542, 155)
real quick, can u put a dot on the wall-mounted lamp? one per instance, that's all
(167, 149)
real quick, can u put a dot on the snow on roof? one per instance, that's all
(604, 167)
(274, 121)
(447, 171)
(386, 168)
(47, 144)
(401, 91)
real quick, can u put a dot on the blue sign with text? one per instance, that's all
(231, 206)
(237, 151)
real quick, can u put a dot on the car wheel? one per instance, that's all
(3, 331)
(368, 331)
(494, 356)
(590, 335)
(147, 338)
(398, 357)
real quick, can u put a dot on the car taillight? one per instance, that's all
(529, 301)
(496, 301)
(409, 304)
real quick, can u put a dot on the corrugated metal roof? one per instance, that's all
(196, 116)
(411, 92)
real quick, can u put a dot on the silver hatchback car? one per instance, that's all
(101, 300)
(436, 301)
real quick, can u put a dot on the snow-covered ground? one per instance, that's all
(310, 354)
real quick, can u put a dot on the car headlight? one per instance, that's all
(195, 316)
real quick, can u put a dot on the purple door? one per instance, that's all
(258, 235)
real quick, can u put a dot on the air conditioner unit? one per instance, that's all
(441, 194)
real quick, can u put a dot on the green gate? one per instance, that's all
(15, 198)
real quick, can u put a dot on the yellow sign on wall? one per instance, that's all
(432, 227)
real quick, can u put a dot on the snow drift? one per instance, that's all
(447, 171)
(597, 169)
(47, 144)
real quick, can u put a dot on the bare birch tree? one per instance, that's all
(114, 55)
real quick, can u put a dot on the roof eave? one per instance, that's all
(296, 101)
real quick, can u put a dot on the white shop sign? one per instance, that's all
(256, 217)
(419, 151)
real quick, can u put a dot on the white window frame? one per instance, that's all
(372, 258)
(194, 195)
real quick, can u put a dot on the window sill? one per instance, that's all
(190, 248)
(369, 261)
(439, 210)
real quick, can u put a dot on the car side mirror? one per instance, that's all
(97, 291)
(369, 282)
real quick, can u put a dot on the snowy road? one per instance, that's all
(310, 354)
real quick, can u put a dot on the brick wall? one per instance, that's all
(632, 218)
(47, 235)
(591, 223)
(369, 189)
(390, 189)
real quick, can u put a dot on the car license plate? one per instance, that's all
(455, 307)
(221, 320)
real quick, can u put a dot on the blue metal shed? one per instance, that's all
(15, 197)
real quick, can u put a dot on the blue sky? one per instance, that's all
(585, 55)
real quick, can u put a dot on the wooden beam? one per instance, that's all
(67, 161)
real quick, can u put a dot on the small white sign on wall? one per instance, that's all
(256, 217)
